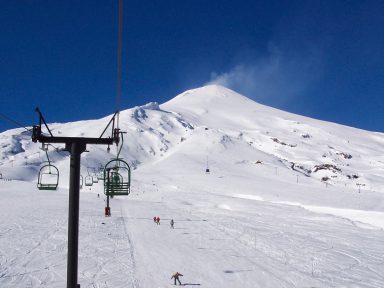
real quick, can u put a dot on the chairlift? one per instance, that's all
(100, 174)
(48, 178)
(95, 179)
(88, 180)
(117, 178)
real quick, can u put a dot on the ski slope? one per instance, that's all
(258, 219)
(218, 241)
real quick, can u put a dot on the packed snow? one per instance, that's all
(288, 201)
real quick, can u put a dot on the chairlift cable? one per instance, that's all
(119, 53)
(14, 122)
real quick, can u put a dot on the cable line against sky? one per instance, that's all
(119, 57)
(14, 122)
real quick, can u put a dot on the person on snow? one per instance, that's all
(154, 219)
(176, 277)
(172, 223)
(158, 220)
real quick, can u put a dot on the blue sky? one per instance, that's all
(323, 59)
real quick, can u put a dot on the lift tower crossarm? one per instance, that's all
(69, 140)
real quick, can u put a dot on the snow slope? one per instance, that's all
(281, 206)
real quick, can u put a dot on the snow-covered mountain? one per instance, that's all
(222, 127)
(289, 201)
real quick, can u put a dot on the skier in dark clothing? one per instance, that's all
(158, 220)
(154, 219)
(176, 276)
(172, 223)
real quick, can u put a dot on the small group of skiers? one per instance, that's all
(175, 276)
(156, 220)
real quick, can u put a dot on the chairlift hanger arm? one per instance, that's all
(122, 142)
(46, 153)
(41, 118)
(109, 123)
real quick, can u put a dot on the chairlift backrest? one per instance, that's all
(88, 180)
(100, 175)
(48, 178)
(117, 178)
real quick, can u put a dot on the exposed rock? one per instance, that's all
(330, 167)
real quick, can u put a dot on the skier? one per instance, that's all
(176, 276)
(154, 219)
(158, 220)
(172, 223)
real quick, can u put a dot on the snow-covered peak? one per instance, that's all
(207, 97)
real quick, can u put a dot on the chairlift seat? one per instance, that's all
(47, 186)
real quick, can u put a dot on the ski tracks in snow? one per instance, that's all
(34, 257)
(304, 251)
(107, 258)
(135, 281)
(288, 246)
(33, 243)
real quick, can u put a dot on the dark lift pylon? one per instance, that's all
(76, 146)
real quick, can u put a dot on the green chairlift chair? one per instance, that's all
(117, 178)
